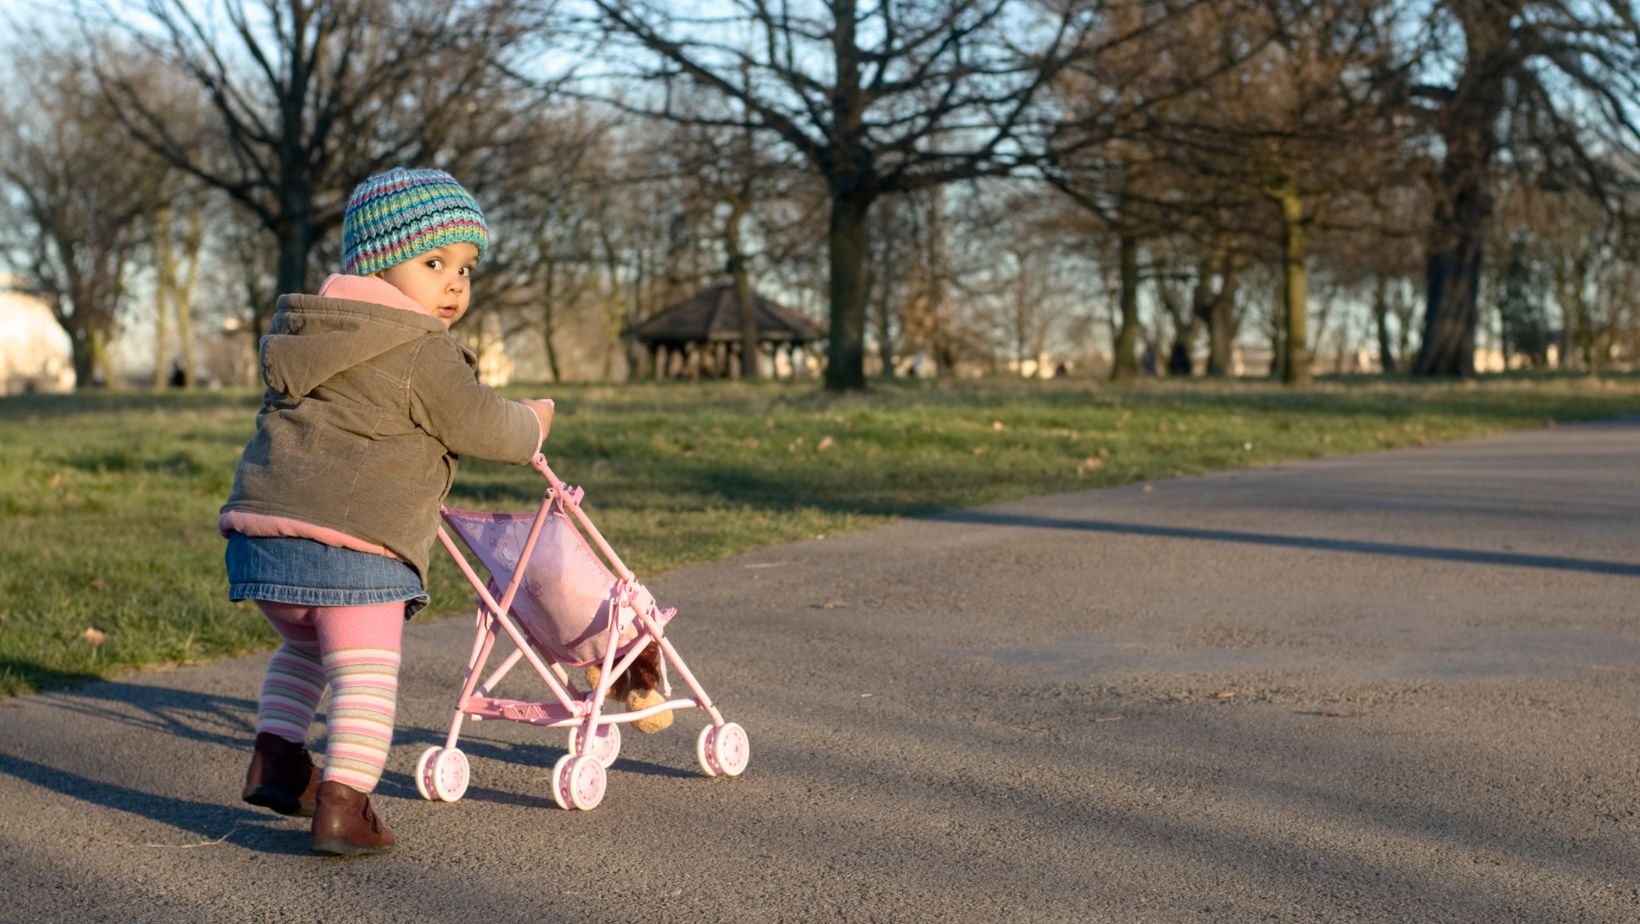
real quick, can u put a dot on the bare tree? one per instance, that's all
(178, 245)
(876, 100)
(1591, 266)
(1143, 184)
(80, 200)
(307, 97)
(1544, 87)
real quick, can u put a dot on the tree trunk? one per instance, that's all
(1221, 321)
(1452, 277)
(937, 284)
(173, 295)
(295, 232)
(183, 296)
(293, 258)
(848, 239)
(880, 284)
(90, 359)
(1295, 286)
(1462, 193)
(745, 298)
(1380, 317)
(164, 283)
(1188, 322)
(1124, 365)
(550, 298)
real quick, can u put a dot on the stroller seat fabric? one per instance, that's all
(564, 601)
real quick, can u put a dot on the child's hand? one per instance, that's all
(543, 413)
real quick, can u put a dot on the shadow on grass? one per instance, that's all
(21, 407)
(28, 676)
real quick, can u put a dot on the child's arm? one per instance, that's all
(468, 417)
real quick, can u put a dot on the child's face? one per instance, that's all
(440, 280)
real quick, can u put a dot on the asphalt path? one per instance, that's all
(1391, 687)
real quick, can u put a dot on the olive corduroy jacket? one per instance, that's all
(366, 415)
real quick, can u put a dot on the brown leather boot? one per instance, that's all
(281, 776)
(345, 824)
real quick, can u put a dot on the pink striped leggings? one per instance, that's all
(353, 649)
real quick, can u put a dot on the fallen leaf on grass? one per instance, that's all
(998, 425)
(93, 636)
(826, 443)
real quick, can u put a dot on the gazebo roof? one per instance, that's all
(713, 315)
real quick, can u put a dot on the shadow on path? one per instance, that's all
(1396, 549)
(213, 821)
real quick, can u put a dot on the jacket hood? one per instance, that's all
(313, 338)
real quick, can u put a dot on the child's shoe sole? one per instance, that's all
(342, 847)
(272, 797)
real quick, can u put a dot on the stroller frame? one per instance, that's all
(578, 778)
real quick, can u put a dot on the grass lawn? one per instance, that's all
(110, 500)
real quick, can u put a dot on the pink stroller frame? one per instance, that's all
(562, 606)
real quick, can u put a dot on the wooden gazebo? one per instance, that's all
(701, 337)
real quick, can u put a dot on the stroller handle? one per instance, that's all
(539, 463)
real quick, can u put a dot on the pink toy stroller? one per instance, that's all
(562, 606)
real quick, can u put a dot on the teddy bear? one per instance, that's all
(639, 688)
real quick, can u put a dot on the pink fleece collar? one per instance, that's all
(368, 289)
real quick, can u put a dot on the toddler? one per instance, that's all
(370, 404)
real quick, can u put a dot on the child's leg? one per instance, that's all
(295, 679)
(359, 646)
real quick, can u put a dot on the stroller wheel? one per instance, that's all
(449, 774)
(606, 744)
(442, 774)
(558, 770)
(703, 752)
(730, 749)
(578, 782)
(424, 780)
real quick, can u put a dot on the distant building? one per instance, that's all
(701, 337)
(36, 354)
(495, 367)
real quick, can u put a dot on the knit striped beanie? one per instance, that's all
(393, 216)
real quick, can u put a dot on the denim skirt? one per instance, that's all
(303, 572)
